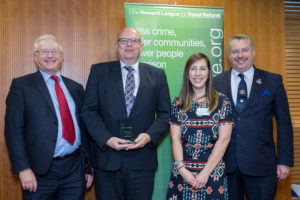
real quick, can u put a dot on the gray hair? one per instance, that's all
(240, 37)
(44, 37)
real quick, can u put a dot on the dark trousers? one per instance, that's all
(124, 184)
(65, 180)
(254, 187)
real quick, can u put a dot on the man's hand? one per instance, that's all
(117, 143)
(89, 180)
(140, 141)
(28, 180)
(283, 171)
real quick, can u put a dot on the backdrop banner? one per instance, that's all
(171, 34)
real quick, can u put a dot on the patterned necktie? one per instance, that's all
(241, 94)
(129, 89)
(68, 130)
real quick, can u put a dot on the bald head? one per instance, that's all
(129, 45)
(130, 29)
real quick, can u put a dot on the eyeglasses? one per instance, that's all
(45, 52)
(127, 40)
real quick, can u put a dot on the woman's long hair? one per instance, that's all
(186, 93)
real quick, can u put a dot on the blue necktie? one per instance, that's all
(129, 89)
(241, 94)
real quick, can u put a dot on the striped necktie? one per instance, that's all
(129, 89)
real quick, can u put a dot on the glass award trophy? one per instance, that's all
(126, 132)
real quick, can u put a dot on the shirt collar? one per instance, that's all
(47, 76)
(135, 66)
(247, 73)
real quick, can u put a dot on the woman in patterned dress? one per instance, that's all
(201, 125)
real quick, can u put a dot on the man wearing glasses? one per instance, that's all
(126, 111)
(43, 131)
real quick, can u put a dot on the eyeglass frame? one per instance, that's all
(125, 41)
(46, 51)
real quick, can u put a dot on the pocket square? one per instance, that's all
(265, 93)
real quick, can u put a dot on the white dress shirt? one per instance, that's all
(235, 80)
(136, 74)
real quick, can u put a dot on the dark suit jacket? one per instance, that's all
(31, 124)
(104, 108)
(252, 147)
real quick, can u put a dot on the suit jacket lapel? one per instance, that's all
(117, 81)
(256, 85)
(42, 87)
(142, 73)
(75, 96)
(227, 82)
(72, 92)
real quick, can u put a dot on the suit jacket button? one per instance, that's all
(238, 118)
(238, 135)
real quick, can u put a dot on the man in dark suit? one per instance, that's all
(126, 96)
(252, 164)
(43, 130)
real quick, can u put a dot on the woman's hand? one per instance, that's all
(201, 180)
(187, 176)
